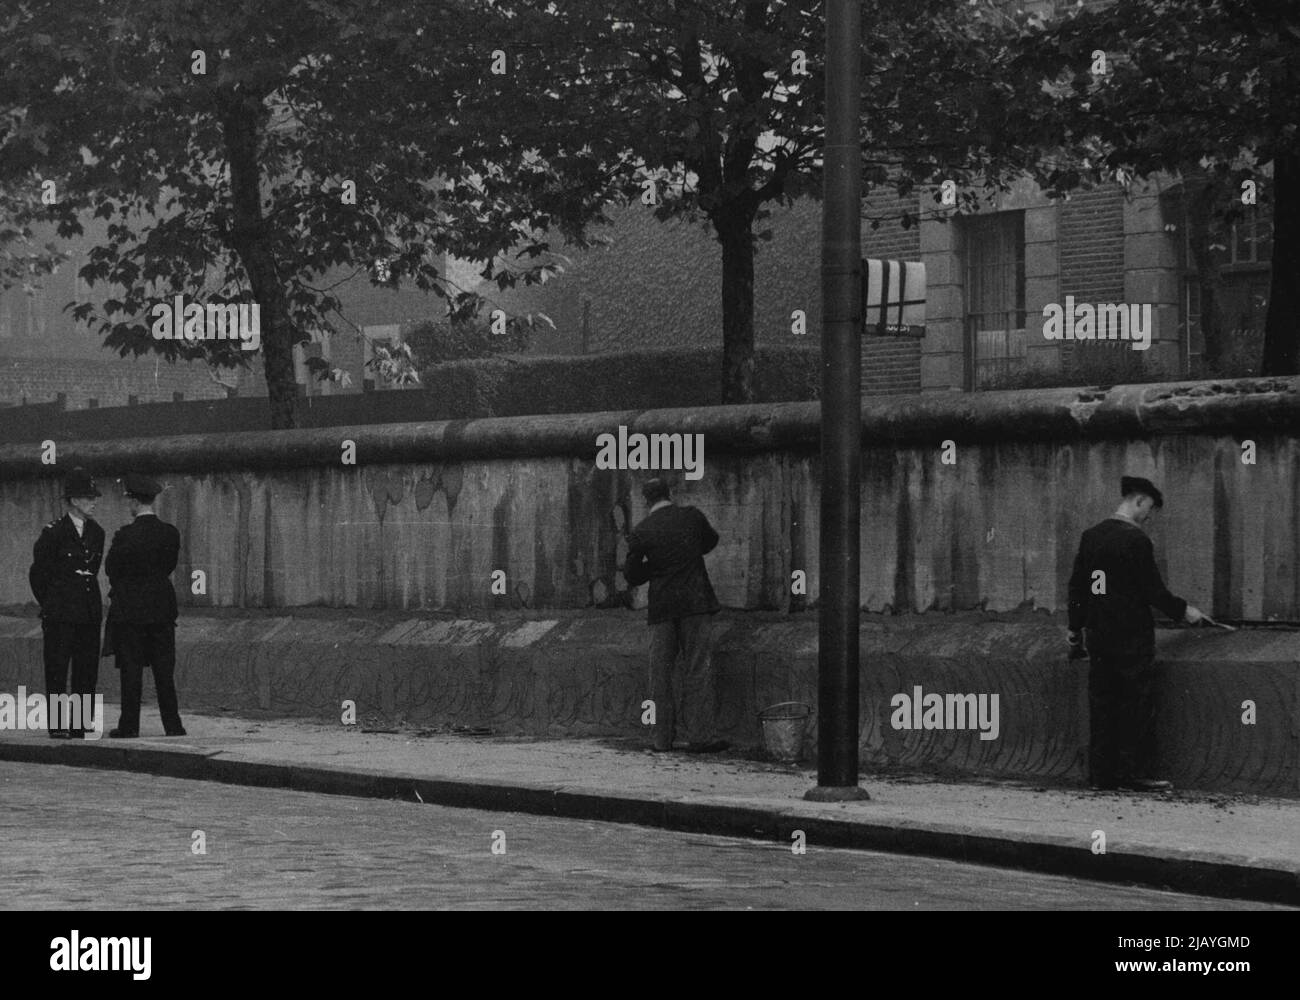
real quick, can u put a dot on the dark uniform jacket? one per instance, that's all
(1119, 621)
(668, 549)
(139, 566)
(65, 572)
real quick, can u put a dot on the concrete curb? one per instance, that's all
(1180, 871)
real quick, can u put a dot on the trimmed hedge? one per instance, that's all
(634, 380)
(502, 386)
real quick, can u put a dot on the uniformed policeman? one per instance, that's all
(1114, 584)
(65, 581)
(142, 615)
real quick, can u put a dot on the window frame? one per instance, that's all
(1002, 233)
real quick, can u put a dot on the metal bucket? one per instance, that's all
(784, 726)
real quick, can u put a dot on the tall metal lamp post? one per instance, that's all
(841, 411)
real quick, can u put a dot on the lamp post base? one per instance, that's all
(836, 793)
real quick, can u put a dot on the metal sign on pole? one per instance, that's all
(841, 412)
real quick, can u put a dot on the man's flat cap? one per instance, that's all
(140, 487)
(1129, 485)
(79, 484)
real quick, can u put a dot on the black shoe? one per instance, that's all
(177, 732)
(117, 734)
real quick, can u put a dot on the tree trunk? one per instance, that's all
(1282, 326)
(735, 233)
(1199, 219)
(248, 238)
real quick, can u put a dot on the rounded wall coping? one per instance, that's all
(1237, 406)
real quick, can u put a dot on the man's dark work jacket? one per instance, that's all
(65, 572)
(1119, 621)
(139, 566)
(668, 549)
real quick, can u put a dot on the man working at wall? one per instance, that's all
(1114, 584)
(65, 581)
(143, 614)
(667, 548)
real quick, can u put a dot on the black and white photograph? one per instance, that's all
(650, 456)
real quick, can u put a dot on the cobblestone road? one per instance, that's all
(75, 838)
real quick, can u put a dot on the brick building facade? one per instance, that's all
(990, 275)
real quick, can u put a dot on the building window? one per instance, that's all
(305, 374)
(1251, 242)
(388, 335)
(996, 342)
(313, 386)
(34, 304)
(41, 307)
(1233, 281)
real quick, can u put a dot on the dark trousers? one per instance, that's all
(137, 647)
(1121, 698)
(690, 704)
(64, 643)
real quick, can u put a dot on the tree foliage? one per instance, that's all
(218, 140)
(1206, 89)
(714, 111)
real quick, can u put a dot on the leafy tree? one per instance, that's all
(718, 110)
(1205, 88)
(22, 260)
(220, 142)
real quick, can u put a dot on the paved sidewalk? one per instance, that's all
(1235, 846)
